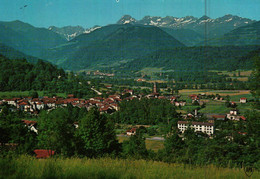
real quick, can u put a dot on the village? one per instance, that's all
(111, 104)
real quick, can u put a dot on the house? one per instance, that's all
(115, 106)
(204, 127)
(31, 125)
(106, 109)
(152, 95)
(233, 112)
(242, 133)
(194, 96)
(76, 125)
(70, 95)
(173, 98)
(140, 80)
(131, 132)
(108, 86)
(219, 117)
(38, 105)
(128, 91)
(42, 153)
(162, 97)
(233, 104)
(98, 99)
(180, 103)
(12, 101)
(243, 100)
(243, 118)
(233, 115)
(25, 106)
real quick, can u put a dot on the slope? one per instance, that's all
(27, 38)
(112, 44)
(246, 35)
(195, 59)
(11, 53)
(185, 36)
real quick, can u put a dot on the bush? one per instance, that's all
(151, 131)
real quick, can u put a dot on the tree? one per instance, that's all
(56, 131)
(255, 78)
(96, 135)
(173, 143)
(135, 146)
(13, 130)
(33, 94)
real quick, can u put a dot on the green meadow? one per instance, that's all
(16, 94)
(29, 167)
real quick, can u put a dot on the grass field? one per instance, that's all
(235, 95)
(13, 94)
(154, 145)
(215, 108)
(28, 167)
(242, 73)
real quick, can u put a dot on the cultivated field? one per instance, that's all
(213, 106)
(154, 145)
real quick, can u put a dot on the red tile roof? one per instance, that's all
(42, 153)
(23, 103)
(219, 116)
(243, 118)
(27, 122)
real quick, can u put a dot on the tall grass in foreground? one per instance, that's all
(29, 167)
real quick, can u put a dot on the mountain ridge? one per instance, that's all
(216, 27)
(27, 38)
(245, 35)
(113, 43)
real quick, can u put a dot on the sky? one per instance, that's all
(88, 13)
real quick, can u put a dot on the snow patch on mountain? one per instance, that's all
(87, 31)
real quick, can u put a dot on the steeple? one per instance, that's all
(154, 88)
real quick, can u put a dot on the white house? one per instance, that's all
(11, 101)
(181, 103)
(233, 112)
(204, 127)
(31, 125)
(243, 100)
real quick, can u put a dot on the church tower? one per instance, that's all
(154, 88)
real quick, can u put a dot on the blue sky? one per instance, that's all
(87, 13)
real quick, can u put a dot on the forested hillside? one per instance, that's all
(245, 35)
(11, 53)
(27, 38)
(22, 75)
(111, 44)
(196, 59)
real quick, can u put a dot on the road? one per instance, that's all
(152, 138)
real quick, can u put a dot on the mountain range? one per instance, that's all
(215, 27)
(130, 40)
